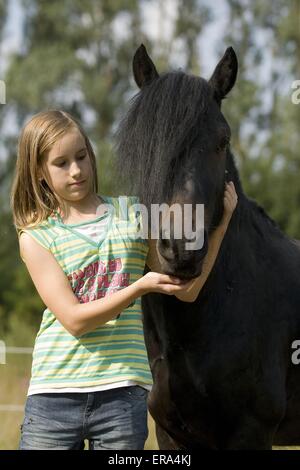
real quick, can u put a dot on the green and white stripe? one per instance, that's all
(113, 352)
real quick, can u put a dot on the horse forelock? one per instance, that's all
(162, 124)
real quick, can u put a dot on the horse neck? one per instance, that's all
(248, 216)
(250, 225)
(251, 232)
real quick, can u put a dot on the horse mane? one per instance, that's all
(157, 130)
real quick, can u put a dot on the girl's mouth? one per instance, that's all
(78, 183)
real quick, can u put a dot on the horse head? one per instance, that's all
(174, 144)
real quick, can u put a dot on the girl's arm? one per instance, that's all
(79, 318)
(193, 287)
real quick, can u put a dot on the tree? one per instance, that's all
(264, 121)
(3, 14)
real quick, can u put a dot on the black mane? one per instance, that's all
(158, 130)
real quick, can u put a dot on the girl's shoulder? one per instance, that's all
(44, 232)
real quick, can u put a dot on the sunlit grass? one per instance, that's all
(14, 384)
(151, 443)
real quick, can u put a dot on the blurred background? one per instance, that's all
(76, 55)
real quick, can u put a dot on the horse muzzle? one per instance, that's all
(177, 260)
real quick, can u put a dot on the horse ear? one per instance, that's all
(144, 70)
(224, 76)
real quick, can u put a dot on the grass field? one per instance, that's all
(14, 384)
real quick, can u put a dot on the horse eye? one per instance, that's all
(224, 142)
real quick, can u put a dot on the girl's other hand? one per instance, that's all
(230, 202)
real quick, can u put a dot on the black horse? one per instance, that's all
(222, 368)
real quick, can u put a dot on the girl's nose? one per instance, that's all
(74, 170)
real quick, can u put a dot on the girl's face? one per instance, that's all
(68, 168)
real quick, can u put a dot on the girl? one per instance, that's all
(90, 374)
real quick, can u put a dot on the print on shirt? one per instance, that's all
(98, 280)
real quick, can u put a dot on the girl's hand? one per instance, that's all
(162, 283)
(230, 202)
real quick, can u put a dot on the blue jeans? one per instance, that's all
(113, 419)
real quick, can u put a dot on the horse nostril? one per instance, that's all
(165, 249)
(165, 238)
(165, 243)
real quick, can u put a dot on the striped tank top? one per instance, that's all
(114, 353)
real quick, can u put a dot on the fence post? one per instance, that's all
(2, 92)
(2, 352)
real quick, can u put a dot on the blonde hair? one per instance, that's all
(32, 200)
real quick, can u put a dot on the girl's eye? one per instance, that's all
(62, 163)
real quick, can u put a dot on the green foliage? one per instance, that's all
(8, 256)
(19, 304)
(266, 138)
(3, 13)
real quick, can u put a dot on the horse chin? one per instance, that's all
(184, 273)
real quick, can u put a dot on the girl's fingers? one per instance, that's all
(230, 202)
(177, 282)
(230, 198)
(172, 279)
(167, 279)
(230, 194)
(230, 185)
(230, 190)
